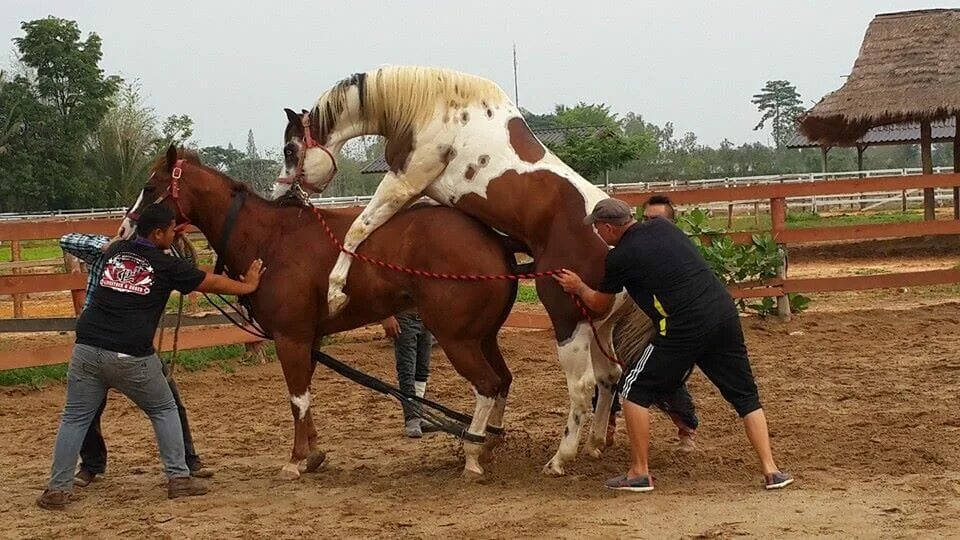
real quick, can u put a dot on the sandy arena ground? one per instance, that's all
(862, 406)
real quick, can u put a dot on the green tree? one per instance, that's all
(221, 158)
(176, 129)
(64, 100)
(780, 103)
(586, 114)
(591, 156)
(539, 121)
(122, 150)
(257, 172)
(68, 75)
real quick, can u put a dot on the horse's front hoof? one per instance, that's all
(553, 469)
(288, 473)
(336, 301)
(315, 460)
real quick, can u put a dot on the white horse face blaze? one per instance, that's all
(128, 226)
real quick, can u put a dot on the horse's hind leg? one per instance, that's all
(294, 355)
(575, 360)
(467, 358)
(607, 375)
(393, 193)
(491, 351)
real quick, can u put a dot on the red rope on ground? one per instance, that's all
(467, 277)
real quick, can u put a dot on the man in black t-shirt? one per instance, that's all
(114, 349)
(696, 323)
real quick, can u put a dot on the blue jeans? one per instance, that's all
(412, 351)
(91, 373)
(93, 453)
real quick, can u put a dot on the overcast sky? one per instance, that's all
(232, 65)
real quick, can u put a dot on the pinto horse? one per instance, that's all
(458, 139)
(290, 303)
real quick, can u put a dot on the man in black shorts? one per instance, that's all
(679, 405)
(696, 324)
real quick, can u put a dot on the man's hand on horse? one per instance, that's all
(252, 276)
(570, 282)
(391, 328)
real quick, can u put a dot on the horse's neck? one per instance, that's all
(249, 234)
(350, 124)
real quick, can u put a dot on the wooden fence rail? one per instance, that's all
(18, 283)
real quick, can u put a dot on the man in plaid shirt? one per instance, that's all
(90, 249)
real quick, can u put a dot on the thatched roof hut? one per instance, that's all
(908, 70)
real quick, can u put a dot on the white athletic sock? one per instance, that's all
(420, 388)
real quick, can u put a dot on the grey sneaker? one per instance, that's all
(638, 484)
(411, 428)
(777, 480)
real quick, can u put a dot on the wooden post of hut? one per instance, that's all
(906, 72)
(926, 161)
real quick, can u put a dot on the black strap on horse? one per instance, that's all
(221, 247)
(420, 405)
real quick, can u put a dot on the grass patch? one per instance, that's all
(33, 250)
(803, 220)
(226, 357)
(33, 377)
(527, 294)
(806, 220)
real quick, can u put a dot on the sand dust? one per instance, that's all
(862, 406)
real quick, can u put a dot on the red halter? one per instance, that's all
(298, 177)
(173, 192)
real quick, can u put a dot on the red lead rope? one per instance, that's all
(467, 277)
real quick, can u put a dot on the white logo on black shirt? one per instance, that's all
(128, 273)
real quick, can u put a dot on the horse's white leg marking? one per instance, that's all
(496, 415)
(420, 388)
(478, 426)
(302, 403)
(575, 360)
(607, 375)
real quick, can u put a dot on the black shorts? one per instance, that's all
(722, 356)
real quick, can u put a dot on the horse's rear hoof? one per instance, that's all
(288, 473)
(474, 476)
(315, 460)
(595, 452)
(553, 469)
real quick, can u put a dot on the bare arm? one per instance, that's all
(596, 301)
(215, 283)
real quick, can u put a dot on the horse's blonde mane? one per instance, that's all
(395, 100)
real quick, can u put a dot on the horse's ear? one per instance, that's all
(171, 156)
(303, 112)
(292, 117)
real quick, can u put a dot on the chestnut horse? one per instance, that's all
(290, 303)
(458, 139)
